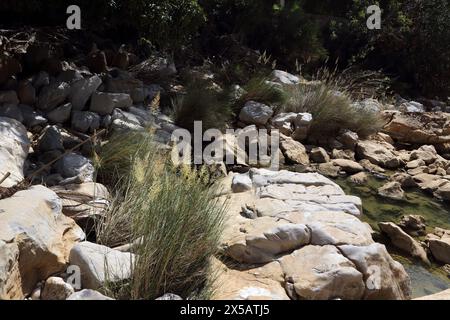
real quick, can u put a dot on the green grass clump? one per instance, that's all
(176, 217)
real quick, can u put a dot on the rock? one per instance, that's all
(412, 106)
(169, 296)
(241, 183)
(261, 240)
(260, 283)
(11, 111)
(302, 125)
(85, 121)
(255, 113)
(32, 118)
(294, 151)
(385, 278)
(124, 83)
(440, 249)
(368, 105)
(414, 225)
(424, 128)
(283, 77)
(50, 140)
(426, 153)
(284, 122)
(99, 264)
(53, 95)
(38, 238)
(36, 294)
(104, 103)
(405, 180)
(82, 90)
(26, 93)
(377, 153)
(328, 169)
(88, 294)
(56, 289)
(319, 155)
(14, 145)
(156, 67)
(359, 178)
(392, 190)
(349, 139)
(61, 114)
(321, 273)
(348, 166)
(443, 192)
(343, 154)
(74, 165)
(83, 201)
(370, 167)
(415, 164)
(403, 241)
(9, 97)
(443, 295)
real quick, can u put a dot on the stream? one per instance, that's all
(425, 280)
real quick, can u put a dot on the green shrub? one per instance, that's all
(203, 103)
(332, 110)
(177, 219)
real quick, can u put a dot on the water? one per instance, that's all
(425, 280)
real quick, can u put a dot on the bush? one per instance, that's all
(201, 102)
(331, 109)
(176, 218)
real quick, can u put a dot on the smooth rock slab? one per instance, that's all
(321, 273)
(99, 264)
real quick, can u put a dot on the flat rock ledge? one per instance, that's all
(298, 236)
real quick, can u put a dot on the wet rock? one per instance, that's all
(392, 190)
(414, 225)
(403, 241)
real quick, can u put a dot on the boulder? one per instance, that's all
(61, 114)
(73, 165)
(100, 264)
(359, 178)
(82, 90)
(83, 201)
(294, 151)
(11, 111)
(56, 289)
(381, 154)
(14, 145)
(284, 78)
(302, 124)
(104, 103)
(284, 122)
(53, 95)
(392, 190)
(427, 154)
(255, 113)
(348, 166)
(321, 273)
(348, 138)
(403, 241)
(84, 121)
(414, 225)
(259, 283)
(26, 93)
(440, 249)
(50, 140)
(319, 155)
(32, 118)
(241, 183)
(385, 278)
(36, 237)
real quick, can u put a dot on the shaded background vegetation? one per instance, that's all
(413, 44)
